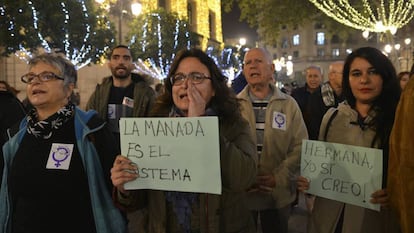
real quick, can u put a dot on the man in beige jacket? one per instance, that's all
(278, 128)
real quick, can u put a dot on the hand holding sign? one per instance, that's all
(341, 172)
(122, 172)
(174, 154)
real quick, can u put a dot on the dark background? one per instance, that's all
(233, 28)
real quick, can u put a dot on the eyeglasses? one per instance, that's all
(195, 78)
(43, 77)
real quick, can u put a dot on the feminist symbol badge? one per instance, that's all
(60, 156)
(279, 121)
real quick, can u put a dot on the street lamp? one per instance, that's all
(136, 8)
(408, 52)
(401, 52)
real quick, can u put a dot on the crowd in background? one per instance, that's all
(60, 162)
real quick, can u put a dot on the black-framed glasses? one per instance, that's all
(45, 76)
(194, 77)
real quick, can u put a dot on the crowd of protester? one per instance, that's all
(62, 169)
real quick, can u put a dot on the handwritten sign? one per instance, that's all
(175, 154)
(341, 172)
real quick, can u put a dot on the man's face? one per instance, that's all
(335, 76)
(313, 78)
(257, 69)
(120, 63)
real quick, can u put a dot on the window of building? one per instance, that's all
(190, 14)
(296, 39)
(212, 24)
(285, 43)
(320, 52)
(162, 4)
(295, 54)
(335, 39)
(320, 38)
(335, 52)
(319, 25)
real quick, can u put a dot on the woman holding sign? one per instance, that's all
(365, 119)
(195, 87)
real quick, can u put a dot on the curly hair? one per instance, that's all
(386, 103)
(224, 102)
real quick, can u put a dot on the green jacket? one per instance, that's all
(217, 213)
(144, 97)
(281, 147)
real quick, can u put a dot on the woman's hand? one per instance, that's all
(302, 183)
(123, 171)
(197, 104)
(380, 197)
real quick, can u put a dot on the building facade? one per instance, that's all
(312, 44)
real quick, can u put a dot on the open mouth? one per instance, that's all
(182, 96)
(35, 92)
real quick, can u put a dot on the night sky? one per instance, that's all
(233, 28)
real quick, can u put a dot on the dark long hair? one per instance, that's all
(386, 103)
(224, 102)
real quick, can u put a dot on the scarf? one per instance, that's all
(44, 129)
(182, 201)
(328, 95)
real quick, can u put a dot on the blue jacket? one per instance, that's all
(108, 218)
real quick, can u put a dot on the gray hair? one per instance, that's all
(66, 68)
(265, 52)
(314, 67)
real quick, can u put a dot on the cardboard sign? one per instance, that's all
(341, 172)
(175, 154)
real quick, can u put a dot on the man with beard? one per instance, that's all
(123, 94)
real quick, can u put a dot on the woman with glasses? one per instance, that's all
(195, 87)
(364, 119)
(57, 165)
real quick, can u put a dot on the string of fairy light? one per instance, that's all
(150, 66)
(387, 15)
(78, 56)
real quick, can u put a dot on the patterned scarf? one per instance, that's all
(44, 129)
(328, 95)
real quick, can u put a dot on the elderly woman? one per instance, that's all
(365, 119)
(56, 172)
(196, 87)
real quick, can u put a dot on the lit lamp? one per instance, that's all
(408, 53)
(242, 41)
(136, 9)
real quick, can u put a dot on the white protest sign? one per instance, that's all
(341, 172)
(175, 154)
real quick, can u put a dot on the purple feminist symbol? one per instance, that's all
(279, 120)
(60, 155)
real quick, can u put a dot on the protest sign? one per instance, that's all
(175, 154)
(341, 172)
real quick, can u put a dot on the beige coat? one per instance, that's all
(326, 212)
(281, 147)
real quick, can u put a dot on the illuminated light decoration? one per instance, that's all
(35, 20)
(152, 29)
(387, 16)
(77, 55)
